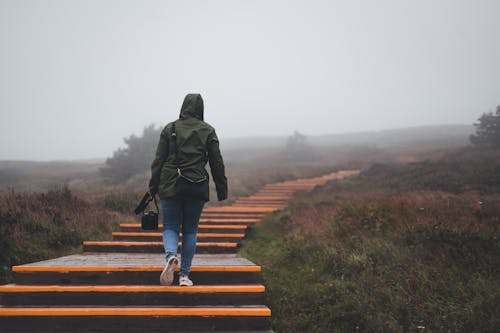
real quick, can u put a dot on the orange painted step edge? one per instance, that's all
(231, 209)
(257, 198)
(262, 204)
(232, 216)
(132, 244)
(67, 269)
(156, 234)
(208, 219)
(225, 226)
(162, 312)
(133, 289)
(254, 204)
(204, 226)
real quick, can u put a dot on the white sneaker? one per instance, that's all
(185, 281)
(167, 276)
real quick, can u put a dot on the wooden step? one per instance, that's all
(278, 203)
(126, 319)
(238, 210)
(158, 236)
(134, 269)
(155, 247)
(52, 295)
(261, 204)
(202, 228)
(234, 216)
(229, 221)
(237, 221)
(271, 198)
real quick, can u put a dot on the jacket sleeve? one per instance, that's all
(156, 166)
(217, 166)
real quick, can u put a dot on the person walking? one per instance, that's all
(179, 177)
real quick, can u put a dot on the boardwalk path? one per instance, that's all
(114, 286)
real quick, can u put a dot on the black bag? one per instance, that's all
(149, 220)
(186, 187)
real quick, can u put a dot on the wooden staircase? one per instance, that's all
(114, 286)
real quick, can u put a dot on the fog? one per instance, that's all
(78, 76)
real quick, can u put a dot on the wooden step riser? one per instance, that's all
(214, 220)
(236, 211)
(231, 215)
(131, 278)
(279, 204)
(263, 205)
(276, 201)
(231, 222)
(225, 218)
(136, 298)
(217, 230)
(268, 197)
(132, 324)
(154, 249)
(160, 238)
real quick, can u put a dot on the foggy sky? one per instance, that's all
(78, 76)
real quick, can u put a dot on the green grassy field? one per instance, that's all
(396, 249)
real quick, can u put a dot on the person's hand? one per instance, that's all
(152, 191)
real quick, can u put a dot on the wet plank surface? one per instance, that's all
(139, 259)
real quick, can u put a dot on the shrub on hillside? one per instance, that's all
(135, 158)
(43, 225)
(487, 130)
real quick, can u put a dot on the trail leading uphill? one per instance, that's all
(114, 285)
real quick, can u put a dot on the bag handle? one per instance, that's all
(146, 199)
(156, 204)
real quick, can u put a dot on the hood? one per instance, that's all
(192, 107)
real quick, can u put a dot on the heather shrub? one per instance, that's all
(39, 226)
(381, 261)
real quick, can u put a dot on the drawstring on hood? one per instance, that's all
(192, 107)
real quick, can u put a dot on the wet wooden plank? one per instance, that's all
(139, 259)
(158, 237)
(236, 209)
(120, 295)
(129, 324)
(155, 247)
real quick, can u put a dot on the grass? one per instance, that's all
(39, 226)
(362, 256)
(458, 171)
(400, 248)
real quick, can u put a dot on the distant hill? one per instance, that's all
(36, 176)
(244, 152)
(442, 135)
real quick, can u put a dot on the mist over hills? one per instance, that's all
(252, 152)
(442, 135)
(438, 136)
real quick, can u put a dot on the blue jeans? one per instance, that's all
(177, 214)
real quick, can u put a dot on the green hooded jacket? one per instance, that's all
(197, 143)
